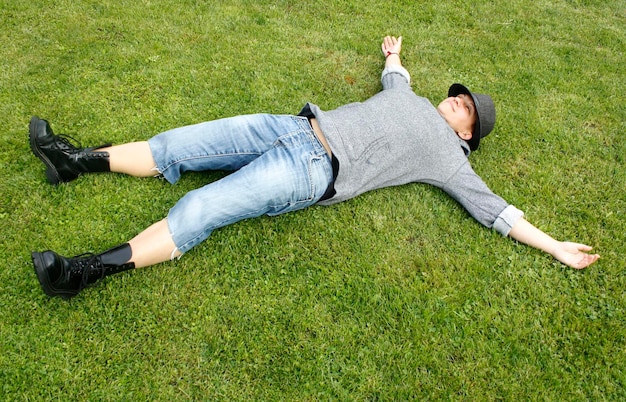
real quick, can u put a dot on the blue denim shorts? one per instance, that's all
(277, 165)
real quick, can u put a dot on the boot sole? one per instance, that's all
(51, 173)
(44, 281)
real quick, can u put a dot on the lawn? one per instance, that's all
(395, 295)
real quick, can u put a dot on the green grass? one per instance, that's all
(395, 295)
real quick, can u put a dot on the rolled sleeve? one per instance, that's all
(507, 219)
(395, 76)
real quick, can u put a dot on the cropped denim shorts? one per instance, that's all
(277, 165)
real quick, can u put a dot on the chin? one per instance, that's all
(442, 112)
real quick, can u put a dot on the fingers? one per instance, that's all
(576, 255)
(587, 260)
(582, 247)
(391, 41)
(388, 42)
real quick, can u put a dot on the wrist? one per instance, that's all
(389, 53)
(554, 248)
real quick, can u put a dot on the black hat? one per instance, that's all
(485, 113)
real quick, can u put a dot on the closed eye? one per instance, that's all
(469, 104)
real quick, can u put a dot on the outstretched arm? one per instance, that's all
(572, 254)
(391, 50)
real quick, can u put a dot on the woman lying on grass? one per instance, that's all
(283, 163)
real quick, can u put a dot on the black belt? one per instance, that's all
(330, 191)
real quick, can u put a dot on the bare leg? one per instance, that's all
(134, 158)
(153, 245)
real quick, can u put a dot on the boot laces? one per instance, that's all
(66, 143)
(71, 145)
(89, 266)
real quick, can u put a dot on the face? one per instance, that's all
(460, 113)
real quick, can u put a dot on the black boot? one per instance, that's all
(66, 277)
(64, 161)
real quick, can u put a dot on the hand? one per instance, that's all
(571, 254)
(391, 45)
(574, 255)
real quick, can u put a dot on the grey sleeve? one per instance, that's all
(466, 187)
(395, 77)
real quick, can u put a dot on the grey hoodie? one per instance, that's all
(397, 137)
